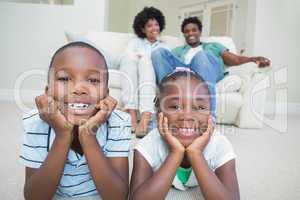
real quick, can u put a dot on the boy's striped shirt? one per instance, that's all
(114, 138)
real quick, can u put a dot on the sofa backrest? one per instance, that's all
(113, 44)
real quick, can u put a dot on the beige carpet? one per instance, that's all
(268, 162)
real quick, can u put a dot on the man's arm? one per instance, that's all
(231, 59)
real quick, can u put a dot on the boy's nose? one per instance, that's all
(79, 89)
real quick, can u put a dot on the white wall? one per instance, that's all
(31, 32)
(119, 16)
(276, 34)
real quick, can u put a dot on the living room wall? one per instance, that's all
(121, 16)
(31, 32)
(276, 33)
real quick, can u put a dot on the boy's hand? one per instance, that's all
(50, 113)
(173, 142)
(200, 143)
(261, 61)
(105, 108)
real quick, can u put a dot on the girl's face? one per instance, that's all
(185, 102)
(151, 30)
(78, 81)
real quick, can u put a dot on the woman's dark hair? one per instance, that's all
(78, 44)
(191, 20)
(144, 16)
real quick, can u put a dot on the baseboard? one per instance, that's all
(292, 108)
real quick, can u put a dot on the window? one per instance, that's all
(216, 17)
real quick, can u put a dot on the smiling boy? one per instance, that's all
(76, 145)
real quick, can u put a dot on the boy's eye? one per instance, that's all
(93, 80)
(63, 78)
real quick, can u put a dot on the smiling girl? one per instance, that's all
(185, 150)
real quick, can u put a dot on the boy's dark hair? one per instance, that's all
(78, 44)
(191, 20)
(174, 76)
(144, 16)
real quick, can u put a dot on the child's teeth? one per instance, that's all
(78, 105)
(187, 131)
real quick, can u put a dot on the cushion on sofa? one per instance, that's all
(230, 83)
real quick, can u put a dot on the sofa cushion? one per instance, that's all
(114, 80)
(230, 83)
(111, 43)
(226, 41)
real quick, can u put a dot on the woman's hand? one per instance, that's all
(261, 61)
(200, 143)
(50, 113)
(105, 108)
(173, 142)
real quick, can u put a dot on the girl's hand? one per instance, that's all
(200, 143)
(105, 108)
(261, 61)
(173, 142)
(50, 113)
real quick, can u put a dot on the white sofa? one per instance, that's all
(240, 95)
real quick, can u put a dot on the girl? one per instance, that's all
(137, 65)
(185, 150)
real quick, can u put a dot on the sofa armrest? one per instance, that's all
(254, 92)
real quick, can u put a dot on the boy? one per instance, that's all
(76, 145)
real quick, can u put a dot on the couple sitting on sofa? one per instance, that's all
(148, 60)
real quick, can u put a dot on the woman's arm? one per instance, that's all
(148, 185)
(109, 174)
(231, 59)
(219, 186)
(42, 183)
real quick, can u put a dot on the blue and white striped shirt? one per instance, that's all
(114, 137)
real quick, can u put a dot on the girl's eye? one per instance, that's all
(174, 107)
(93, 80)
(63, 78)
(201, 108)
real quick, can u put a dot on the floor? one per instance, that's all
(268, 162)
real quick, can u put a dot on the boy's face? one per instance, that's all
(192, 34)
(78, 81)
(185, 102)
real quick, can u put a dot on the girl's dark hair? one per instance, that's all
(78, 44)
(144, 16)
(191, 20)
(173, 77)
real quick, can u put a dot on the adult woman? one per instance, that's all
(137, 65)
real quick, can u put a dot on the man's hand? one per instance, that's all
(173, 142)
(261, 61)
(50, 113)
(200, 143)
(105, 108)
